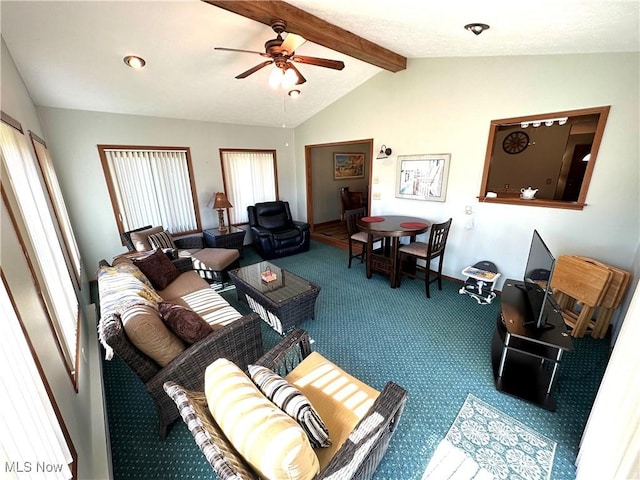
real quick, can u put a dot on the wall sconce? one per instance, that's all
(219, 202)
(384, 152)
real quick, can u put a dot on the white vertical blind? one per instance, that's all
(60, 295)
(31, 439)
(250, 178)
(50, 177)
(152, 187)
(610, 446)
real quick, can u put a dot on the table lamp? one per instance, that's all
(219, 202)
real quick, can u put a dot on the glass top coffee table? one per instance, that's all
(283, 302)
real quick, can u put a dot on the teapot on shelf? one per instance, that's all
(528, 193)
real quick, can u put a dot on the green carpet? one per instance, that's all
(439, 349)
(484, 443)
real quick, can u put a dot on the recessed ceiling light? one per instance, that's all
(477, 28)
(134, 61)
(294, 93)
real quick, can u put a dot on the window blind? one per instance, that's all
(152, 187)
(58, 289)
(32, 442)
(250, 177)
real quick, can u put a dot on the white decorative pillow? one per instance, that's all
(292, 402)
(269, 440)
(161, 240)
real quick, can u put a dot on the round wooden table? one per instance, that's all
(391, 227)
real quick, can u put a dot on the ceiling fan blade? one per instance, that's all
(320, 62)
(239, 50)
(291, 43)
(254, 69)
(301, 78)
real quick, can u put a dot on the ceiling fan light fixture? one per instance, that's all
(476, 28)
(134, 61)
(290, 78)
(275, 77)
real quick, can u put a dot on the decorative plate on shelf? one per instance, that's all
(515, 142)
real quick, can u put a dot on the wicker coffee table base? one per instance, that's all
(281, 316)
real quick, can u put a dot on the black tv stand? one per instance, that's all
(526, 360)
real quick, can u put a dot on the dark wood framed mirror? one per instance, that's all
(550, 154)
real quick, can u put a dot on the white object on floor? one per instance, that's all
(452, 463)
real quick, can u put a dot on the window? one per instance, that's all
(34, 437)
(55, 195)
(46, 255)
(249, 176)
(151, 186)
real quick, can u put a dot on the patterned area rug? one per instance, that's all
(484, 443)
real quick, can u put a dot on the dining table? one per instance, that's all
(391, 228)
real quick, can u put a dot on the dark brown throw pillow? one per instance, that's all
(158, 269)
(185, 323)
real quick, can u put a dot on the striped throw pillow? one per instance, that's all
(293, 402)
(161, 240)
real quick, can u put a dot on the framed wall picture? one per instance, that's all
(423, 176)
(348, 165)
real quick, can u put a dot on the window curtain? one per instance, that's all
(55, 277)
(610, 446)
(152, 188)
(55, 193)
(250, 178)
(31, 438)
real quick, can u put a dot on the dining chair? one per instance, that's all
(356, 237)
(427, 252)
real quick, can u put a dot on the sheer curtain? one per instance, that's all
(610, 447)
(152, 187)
(250, 177)
(31, 439)
(55, 278)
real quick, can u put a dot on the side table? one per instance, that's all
(233, 237)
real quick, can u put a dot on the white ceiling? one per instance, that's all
(70, 53)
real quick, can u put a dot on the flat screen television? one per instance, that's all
(537, 282)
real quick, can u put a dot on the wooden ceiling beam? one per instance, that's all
(315, 30)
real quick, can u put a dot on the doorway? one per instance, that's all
(323, 182)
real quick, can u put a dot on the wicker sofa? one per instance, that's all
(357, 452)
(124, 291)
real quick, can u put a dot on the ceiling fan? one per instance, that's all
(281, 52)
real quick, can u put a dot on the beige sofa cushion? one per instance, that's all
(216, 259)
(340, 399)
(140, 239)
(186, 283)
(148, 333)
(269, 440)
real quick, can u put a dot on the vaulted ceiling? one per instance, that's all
(70, 53)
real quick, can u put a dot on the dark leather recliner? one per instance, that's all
(275, 233)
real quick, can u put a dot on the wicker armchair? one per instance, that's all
(240, 341)
(212, 264)
(357, 458)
